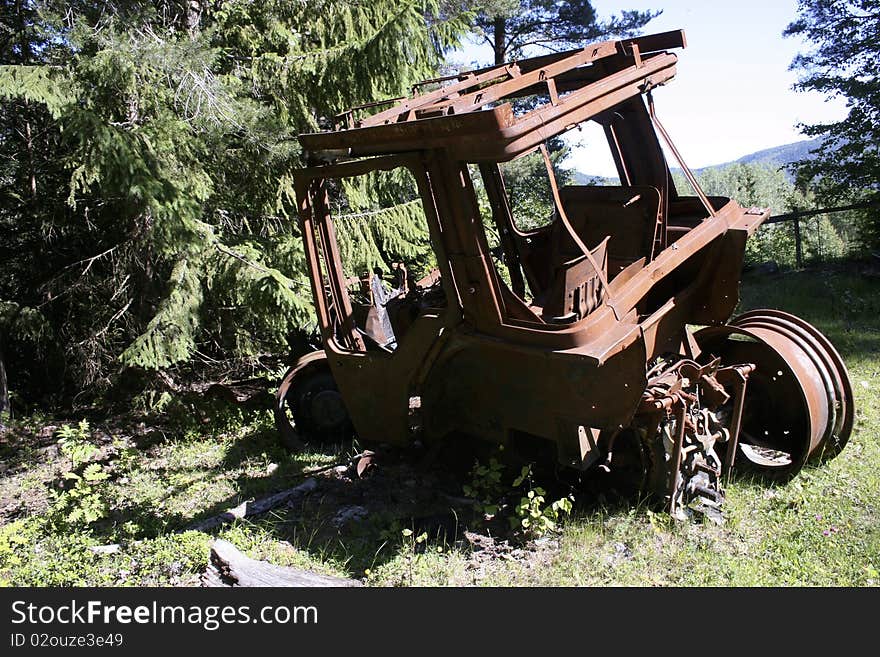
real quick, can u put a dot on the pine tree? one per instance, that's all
(513, 27)
(842, 62)
(163, 145)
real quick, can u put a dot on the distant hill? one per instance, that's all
(586, 179)
(778, 155)
(775, 157)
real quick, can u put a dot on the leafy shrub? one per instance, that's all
(84, 503)
(485, 487)
(532, 514)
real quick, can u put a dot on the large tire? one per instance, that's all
(310, 407)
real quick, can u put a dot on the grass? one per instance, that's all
(822, 528)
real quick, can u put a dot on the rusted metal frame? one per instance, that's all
(425, 366)
(438, 232)
(661, 228)
(477, 260)
(534, 82)
(482, 279)
(349, 115)
(503, 218)
(634, 137)
(669, 260)
(441, 79)
(650, 328)
(424, 134)
(510, 222)
(627, 296)
(623, 277)
(310, 248)
(578, 77)
(592, 90)
(650, 43)
(551, 90)
(333, 262)
(738, 378)
(498, 91)
(534, 63)
(564, 82)
(681, 304)
(684, 167)
(546, 122)
(576, 336)
(660, 41)
(490, 274)
(468, 81)
(636, 54)
(614, 145)
(687, 172)
(451, 233)
(496, 135)
(446, 177)
(568, 81)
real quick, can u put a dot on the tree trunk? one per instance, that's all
(500, 35)
(193, 17)
(4, 388)
(229, 567)
(30, 152)
(25, 57)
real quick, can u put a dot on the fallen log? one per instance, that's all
(229, 567)
(253, 508)
(360, 462)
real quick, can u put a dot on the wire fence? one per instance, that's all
(808, 237)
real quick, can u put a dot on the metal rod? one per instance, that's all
(735, 424)
(676, 455)
(684, 167)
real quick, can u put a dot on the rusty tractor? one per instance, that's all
(606, 333)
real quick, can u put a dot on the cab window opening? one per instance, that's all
(567, 265)
(387, 272)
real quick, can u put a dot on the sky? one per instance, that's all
(732, 94)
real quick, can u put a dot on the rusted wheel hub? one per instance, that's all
(309, 406)
(799, 402)
(326, 410)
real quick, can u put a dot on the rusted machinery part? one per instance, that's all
(308, 395)
(635, 467)
(832, 369)
(795, 404)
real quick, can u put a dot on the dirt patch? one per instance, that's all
(401, 502)
(29, 462)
